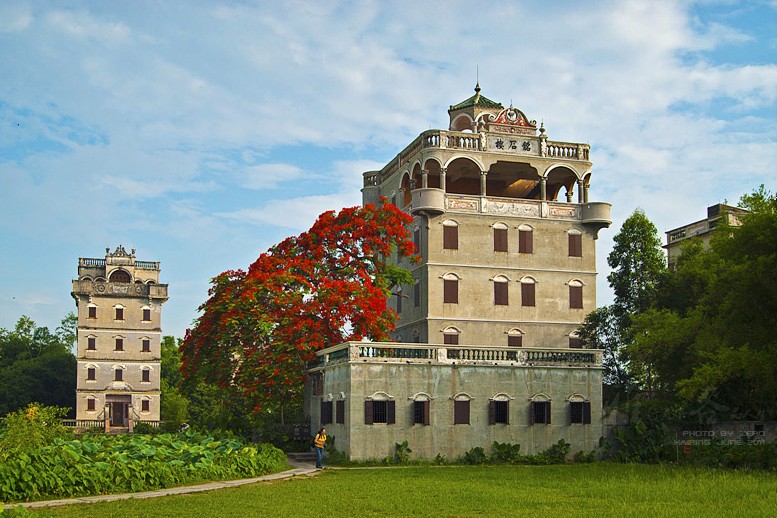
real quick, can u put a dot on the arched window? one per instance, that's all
(500, 237)
(145, 404)
(575, 294)
(525, 239)
(528, 291)
(450, 335)
(579, 409)
(574, 341)
(91, 404)
(539, 409)
(575, 243)
(450, 235)
(421, 405)
(515, 338)
(145, 375)
(450, 288)
(501, 284)
(499, 409)
(119, 312)
(461, 408)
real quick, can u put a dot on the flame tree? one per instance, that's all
(328, 285)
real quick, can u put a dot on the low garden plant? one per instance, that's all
(58, 466)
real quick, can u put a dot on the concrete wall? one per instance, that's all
(356, 382)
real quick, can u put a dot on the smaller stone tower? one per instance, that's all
(119, 302)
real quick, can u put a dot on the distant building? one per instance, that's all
(486, 345)
(701, 229)
(119, 302)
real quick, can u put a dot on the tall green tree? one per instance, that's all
(37, 365)
(710, 344)
(638, 264)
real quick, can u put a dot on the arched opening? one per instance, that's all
(120, 276)
(463, 177)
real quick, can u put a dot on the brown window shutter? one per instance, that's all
(427, 406)
(450, 291)
(340, 412)
(576, 297)
(527, 294)
(391, 415)
(417, 294)
(450, 237)
(461, 412)
(575, 343)
(531, 412)
(368, 412)
(525, 241)
(500, 240)
(587, 412)
(507, 412)
(500, 293)
(515, 340)
(575, 245)
(492, 412)
(450, 339)
(547, 412)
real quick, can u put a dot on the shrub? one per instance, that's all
(506, 453)
(32, 427)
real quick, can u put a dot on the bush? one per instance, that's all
(34, 426)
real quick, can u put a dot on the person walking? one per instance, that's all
(318, 444)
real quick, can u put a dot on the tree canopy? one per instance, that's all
(37, 365)
(328, 285)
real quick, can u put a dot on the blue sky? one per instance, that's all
(201, 133)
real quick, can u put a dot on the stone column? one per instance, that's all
(483, 182)
(543, 188)
(580, 192)
(443, 171)
(585, 193)
(424, 178)
(570, 193)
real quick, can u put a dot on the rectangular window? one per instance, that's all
(118, 375)
(515, 340)
(91, 343)
(146, 315)
(92, 311)
(144, 405)
(119, 344)
(539, 412)
(450, 237)
(451, 291)
(398, 294)
(450, 339)
(575, 342)
(576, 297)
(525, 241)
(527, 294)
(340, 411)
(500, 240)
(90, 404)
(421, 412)
(90, 374)
(500, 293)
(146, 345)
(499, 412)
(417, 294)
(575, 245)
(119, 313)
(461, 412)
(580, 412)
(379, 412)
(326, 412)
(417, 240)
(146, 375)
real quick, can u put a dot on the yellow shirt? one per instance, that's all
(320, 440)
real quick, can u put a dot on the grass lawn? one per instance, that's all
(600, 489)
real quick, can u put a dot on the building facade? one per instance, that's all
(119, 301)
(486, 347)
(701, 229)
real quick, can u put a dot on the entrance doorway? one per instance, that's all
(119, 408)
